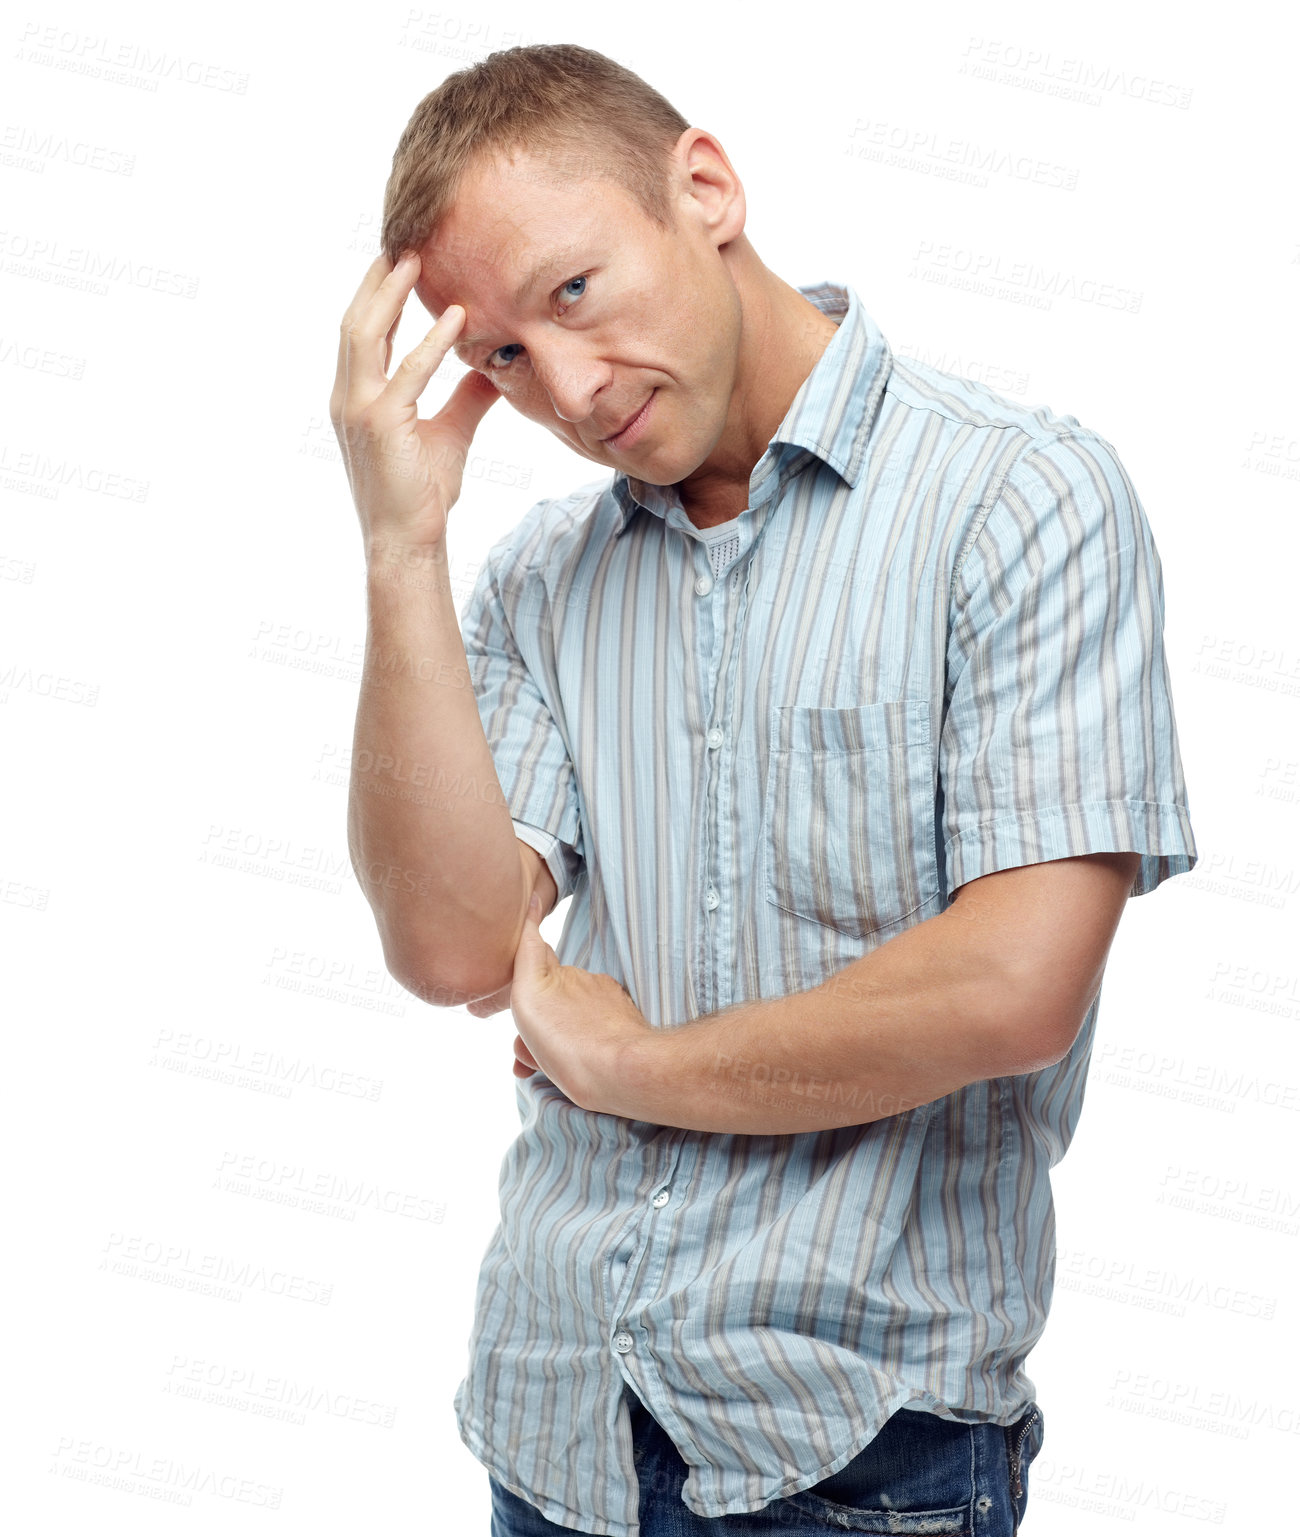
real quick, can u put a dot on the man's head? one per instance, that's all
(590, 235)
(581, 114)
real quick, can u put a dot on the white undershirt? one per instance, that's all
(722, 552)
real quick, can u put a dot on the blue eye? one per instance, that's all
(510, 347)
(573, 289)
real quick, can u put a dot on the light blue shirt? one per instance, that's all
(929, 649)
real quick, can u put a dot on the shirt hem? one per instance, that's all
(921, 1401)
(552, 1510)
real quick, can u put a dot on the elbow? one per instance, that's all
(449, 986)
(1040, 1024)
(469, 956)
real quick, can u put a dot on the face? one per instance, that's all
(618, 335)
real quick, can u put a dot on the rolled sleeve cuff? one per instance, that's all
(552, 852)
(1161, 833)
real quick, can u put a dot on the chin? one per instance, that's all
(668, 469)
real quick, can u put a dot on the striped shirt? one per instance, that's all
(929, 649)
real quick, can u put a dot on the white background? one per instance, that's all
(194, 984)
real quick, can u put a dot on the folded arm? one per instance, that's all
(997, 984)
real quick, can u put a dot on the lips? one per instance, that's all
(619, 431)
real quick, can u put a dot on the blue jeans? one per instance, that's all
(920, 1474)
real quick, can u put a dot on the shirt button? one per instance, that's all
(703, 584)
(714, 738)
(622, 1342)
(661, 1197)
(711, 899)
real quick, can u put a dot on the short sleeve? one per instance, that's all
(1059, 736)
(563, 860)
(528, 748)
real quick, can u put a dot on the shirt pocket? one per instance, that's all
(849, 813)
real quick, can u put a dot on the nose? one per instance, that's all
(571, 377)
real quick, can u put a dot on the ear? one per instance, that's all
(705, 186)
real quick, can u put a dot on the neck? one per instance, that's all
(782, 337)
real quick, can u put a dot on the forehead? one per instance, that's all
(514, 223)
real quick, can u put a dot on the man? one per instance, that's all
(841, 712)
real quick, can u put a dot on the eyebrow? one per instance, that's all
(557, 260)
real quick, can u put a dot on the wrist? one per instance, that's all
(642, 1074)
(392, 562)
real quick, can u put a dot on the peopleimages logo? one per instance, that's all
(1205, 1085)
(122, 63)
(1021, 282)
(1218, 1410)
(136, 1472)
(251, 1390)
(86, 268)
(1150, 1286)
(920, 149)
(1117, 1494)
(1080, 80)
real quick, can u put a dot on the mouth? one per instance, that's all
(631, 430)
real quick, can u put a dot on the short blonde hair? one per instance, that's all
(588, 116)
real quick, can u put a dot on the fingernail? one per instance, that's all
(534, 904)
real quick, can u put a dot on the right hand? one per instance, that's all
(405, 473)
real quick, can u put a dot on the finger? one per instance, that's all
(532, 920)
(366, 323)
(533, 955)
(467, 405)
(377, 272)
(388, 345)
(523, 1055)
(423, 361)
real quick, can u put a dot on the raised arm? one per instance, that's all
(429, 832)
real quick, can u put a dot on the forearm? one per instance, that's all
(928, 1012)
(429, 831)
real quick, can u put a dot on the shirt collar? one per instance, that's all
(833, 409)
